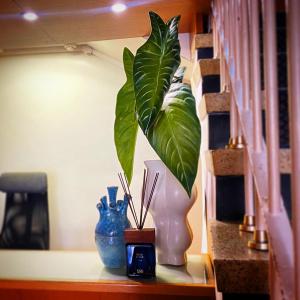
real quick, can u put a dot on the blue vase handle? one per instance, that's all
(122, 207)
(103, 206)
(112, 193)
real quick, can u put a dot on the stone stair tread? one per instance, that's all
(229, 162)
(214, 102)
(209, 66)
(225, 162)
(219, 102)
(203, 40)
(238, 269)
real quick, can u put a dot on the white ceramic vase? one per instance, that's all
(169, 207)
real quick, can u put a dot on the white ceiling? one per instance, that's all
(81, 21)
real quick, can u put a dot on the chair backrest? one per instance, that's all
(26, 217)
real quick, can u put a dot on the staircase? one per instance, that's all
(225, 200)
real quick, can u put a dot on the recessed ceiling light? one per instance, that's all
(30, 16)
(70, 47)
(118, 7)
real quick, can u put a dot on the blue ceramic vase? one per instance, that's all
(109, 233)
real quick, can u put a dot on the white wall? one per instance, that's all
(57, 116)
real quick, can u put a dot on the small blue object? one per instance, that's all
(112, 194)
(109, 233)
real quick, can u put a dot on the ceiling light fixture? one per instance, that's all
(70, 47)
(30, 16)
(118, 7)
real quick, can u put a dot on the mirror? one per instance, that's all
(57, 116)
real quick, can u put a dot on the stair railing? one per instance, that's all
(293, 25)
(236, 37)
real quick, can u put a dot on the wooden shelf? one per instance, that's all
(83, 272)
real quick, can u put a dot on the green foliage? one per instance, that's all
(175, 135)
(155, 98)
(126, 124)
(153, 68)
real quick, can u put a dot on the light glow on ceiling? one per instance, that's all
(77, 12)
(30, 16)
(118, 7)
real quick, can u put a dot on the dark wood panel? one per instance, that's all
(127, 287)
(69, 295)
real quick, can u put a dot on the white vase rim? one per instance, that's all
(155, 162)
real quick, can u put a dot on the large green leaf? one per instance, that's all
(126, 124)
(154, 66)
(175, 135)
(179, 74)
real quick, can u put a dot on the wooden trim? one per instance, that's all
(199, 23)
(209, 270)
(133, 287)
(145, 235)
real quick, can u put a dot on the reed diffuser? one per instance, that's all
(140, 241)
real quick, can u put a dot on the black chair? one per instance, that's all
(26, 217)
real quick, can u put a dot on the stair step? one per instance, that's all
(225, 162)
(210, 66)
(216, 107)
(203, 40)
(238, 269)
(226, 165)
(210, 73)
(218, 103)
(214, 103)
(229, 162)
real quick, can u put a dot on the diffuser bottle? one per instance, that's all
(140, 252)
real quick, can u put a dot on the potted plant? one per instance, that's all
(155, 99)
